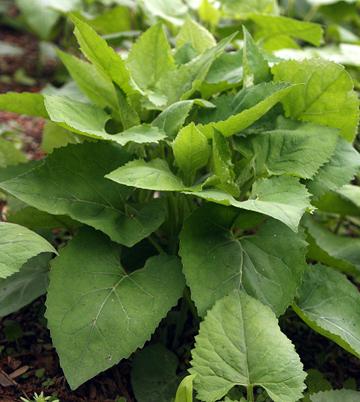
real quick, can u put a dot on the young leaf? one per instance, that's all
(240, 343)
(343, 252)
(184, 392)
(90, 121)
(238, 122)
(324, 81)
(343, 395)
(180, 84)
(31, 104)
(222, 165)
(256, 68)
(298, 152)
(150, 57)
(17, 245)
(341, 168)
(153, 175)
(191, 151)
(268, 265)
(96, 50)
(330, 304)
(153, 375)
(275, 32)
(282, 198)
(24, 286)
(71, 182)
(196, 35)
(91, 300)
(173, 117)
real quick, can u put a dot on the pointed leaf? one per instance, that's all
(191, 151)
(96, 50)
(91, 300)
(150, 57)
(268, 265)
(240, 343)
(185, 391)
(173, 117)
(330, 304)
(196, 35)
(17, 245)
(256, 68)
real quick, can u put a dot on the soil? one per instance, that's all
(28, 361)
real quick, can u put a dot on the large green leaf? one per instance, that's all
(341, 168)
(71, 182)
(97, 313)
(24, 286)
(299, 152)
(196, 35)
(339, 395)
(153, 175)
(275, 32)
(150, 57)
(90, 121)
(330, 304)
(239, 121)
(17, 245)
(191, 151)
(324, 82)
(268, 265)
(153, 375)
(343, 252)
(240, 343)
(28, 103)
(282, 198)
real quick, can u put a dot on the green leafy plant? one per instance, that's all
(40, 398)
(190, 198)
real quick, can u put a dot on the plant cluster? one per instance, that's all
(199, 183)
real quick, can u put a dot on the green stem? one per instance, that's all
(250, 393)
(156, 245)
